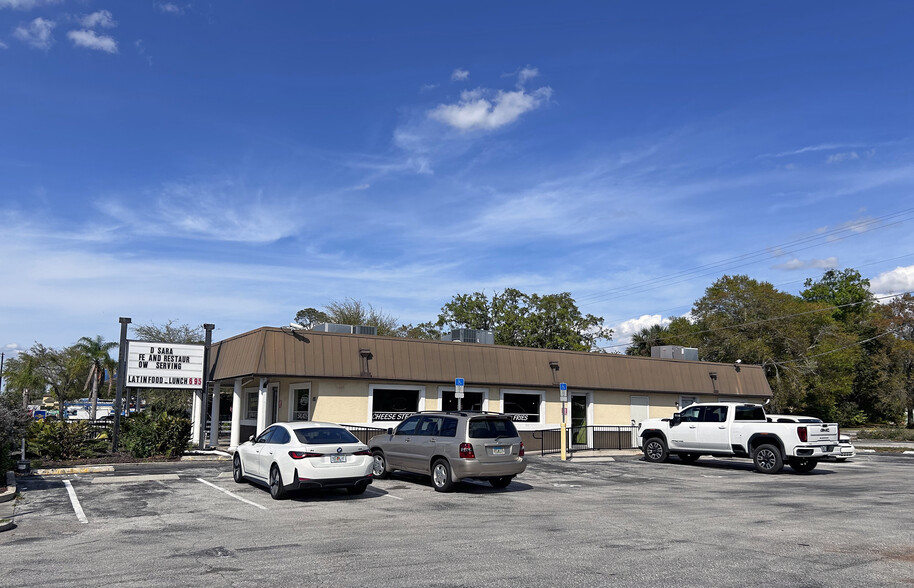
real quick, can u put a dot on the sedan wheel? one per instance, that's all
(276, 489)
(237, 472)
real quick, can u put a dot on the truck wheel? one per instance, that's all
(801, 465)
(689, 457)
(655, 450)
(767, 459)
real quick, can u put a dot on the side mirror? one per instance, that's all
(251, 438)
(676, 420)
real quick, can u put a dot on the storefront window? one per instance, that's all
(393, 404)
(470, 401)
(250, 411)
(524, 408)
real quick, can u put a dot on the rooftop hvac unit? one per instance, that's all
(675, 352)
(364, 330)
(331, 328)
(473, 336)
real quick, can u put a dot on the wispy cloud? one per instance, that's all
(37, 34)
(27, 4)
(459, 75)
(88, 39)
(799, 264)
(839, 157)
(169, 8)
(3, 45)
(100, 18)
(211, 211)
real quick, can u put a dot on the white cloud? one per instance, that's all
(896, 281)
(101, 18)
(839, 157)
(3, 45)
(26, 4)
(37, 34)
(92, 40)
(528, 73)
(475, 111)
(631, 326)
(362, 187)
(798, 264)
(169, 8)
(459, 75)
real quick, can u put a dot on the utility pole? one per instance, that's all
(121, 377)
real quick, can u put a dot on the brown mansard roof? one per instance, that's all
(275, 352)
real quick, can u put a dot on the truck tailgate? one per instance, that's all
(822, 433)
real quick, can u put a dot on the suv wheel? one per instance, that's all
(441, 476)
(379, 469)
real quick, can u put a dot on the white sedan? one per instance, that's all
(304, 455)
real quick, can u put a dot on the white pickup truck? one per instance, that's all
(729, 429)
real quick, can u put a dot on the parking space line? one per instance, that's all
(76, 506)
(128, 479)
(232, 494)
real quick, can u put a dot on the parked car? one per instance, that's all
(846, 449)
(304, 455)
(451, 446)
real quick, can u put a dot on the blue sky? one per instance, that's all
(234, 162)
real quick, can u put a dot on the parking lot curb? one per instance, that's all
(72, 470)
(10, 488)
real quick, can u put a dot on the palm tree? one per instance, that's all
(96, 351)
(647, 337)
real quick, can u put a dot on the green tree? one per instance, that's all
(60, 371)
(845, 289)
(308, 317)
(551, 321)
(647, 337)
(353, 312)
(97, 352)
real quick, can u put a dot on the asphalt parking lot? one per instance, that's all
(587, 522)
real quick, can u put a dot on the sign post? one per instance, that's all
(458, 392)
(563, 396)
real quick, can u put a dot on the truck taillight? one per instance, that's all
(521, 452)
(801, 432)
(466, 451)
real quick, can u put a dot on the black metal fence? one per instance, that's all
(581, 439)
(363, 433)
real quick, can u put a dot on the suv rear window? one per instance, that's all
(490, 428)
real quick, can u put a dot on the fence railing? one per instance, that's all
(587, 438)
(363, 433)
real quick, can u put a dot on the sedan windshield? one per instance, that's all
(322, 435)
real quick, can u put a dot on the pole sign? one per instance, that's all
(563, 392)
(458, 387)
(164, 365)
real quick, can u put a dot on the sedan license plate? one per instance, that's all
(337, 459)
(498, 451)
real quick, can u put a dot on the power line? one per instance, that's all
(778, 318)
(808, 242)
(854, 344)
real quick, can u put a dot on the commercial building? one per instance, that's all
(281, 374)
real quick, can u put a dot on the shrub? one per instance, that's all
(62, 440)
(146, 436)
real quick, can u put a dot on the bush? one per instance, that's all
(891, 434)
(145, 436)
(63, 440)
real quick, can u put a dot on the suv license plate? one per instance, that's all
(498, 451)
(337, 459)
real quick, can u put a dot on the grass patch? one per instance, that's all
(886, 434)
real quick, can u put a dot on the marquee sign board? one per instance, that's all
(177, 366)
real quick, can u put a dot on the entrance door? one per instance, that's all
(640, 409)
(579, 437)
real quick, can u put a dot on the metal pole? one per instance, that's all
(121, 378)
(208, 328)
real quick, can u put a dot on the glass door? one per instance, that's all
(579, 437)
